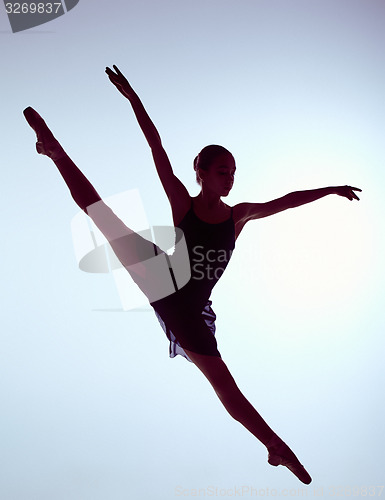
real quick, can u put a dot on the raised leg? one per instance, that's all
(219, 376)
(130, 248)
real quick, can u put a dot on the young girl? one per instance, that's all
(210, 228)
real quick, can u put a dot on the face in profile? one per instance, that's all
(219, 178)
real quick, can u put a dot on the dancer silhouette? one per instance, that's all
(211, 228)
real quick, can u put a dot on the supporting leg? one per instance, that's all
(223, 383)
(241, 410)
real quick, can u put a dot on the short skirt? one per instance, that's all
(188, 327)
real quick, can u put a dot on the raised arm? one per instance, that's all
(249, 211)
(175, 190)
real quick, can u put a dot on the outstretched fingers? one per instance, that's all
(112, 76)
(117, 70)
(118, 75)
(120, 81)
(348, 192)
(353, 194)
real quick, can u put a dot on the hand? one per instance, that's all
(347, 192)
(120, 82)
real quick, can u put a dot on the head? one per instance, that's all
(215, 169)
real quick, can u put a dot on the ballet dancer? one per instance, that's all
(210, 228)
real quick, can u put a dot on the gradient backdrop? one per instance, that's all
(92, 407)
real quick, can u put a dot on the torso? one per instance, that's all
(214, 235)
(210, 243)
(213, 217)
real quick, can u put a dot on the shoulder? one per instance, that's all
(243, 212)
(248, 211)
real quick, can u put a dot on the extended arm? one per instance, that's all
(249, 211)
(175, 190)
(145, 122)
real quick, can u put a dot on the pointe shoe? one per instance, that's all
(46, 142)
(281, 454)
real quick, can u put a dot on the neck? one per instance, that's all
(209, 200)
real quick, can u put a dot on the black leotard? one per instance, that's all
(186, 315)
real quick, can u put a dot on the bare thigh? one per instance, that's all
(214, 369)
(128, 246)
(135, 253)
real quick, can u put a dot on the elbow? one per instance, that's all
(290, 201)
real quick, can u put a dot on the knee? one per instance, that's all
(216, 372)
(223, 382)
